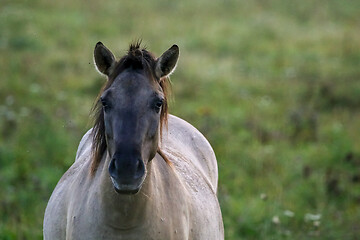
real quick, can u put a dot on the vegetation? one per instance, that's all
(274, 85)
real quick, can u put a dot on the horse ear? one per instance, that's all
(166, 63)
(103, 59)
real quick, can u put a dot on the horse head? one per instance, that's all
(131, 109)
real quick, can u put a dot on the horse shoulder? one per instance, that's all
(85, 144)
(195, 163)
(55, 227)
(181, 138)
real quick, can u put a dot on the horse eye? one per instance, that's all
(104, 103)
(158, 105)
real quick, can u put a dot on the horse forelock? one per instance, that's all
(137, 56)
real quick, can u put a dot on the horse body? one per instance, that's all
(176, 198)
(176, 202)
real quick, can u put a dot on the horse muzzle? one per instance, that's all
(127, 176)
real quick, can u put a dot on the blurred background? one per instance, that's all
(273, 85)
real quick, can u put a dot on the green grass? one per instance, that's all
(274, 86)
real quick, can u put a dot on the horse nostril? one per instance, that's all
(140, 169)
(126, 168)
(112, 168)
(117, 164)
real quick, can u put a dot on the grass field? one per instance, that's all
(274, 86)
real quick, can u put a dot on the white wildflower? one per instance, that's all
(289, 213)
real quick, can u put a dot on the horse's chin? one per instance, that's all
(127, 192)
(126, 189)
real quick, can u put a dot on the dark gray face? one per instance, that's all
(131, 108)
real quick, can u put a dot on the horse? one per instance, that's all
(139, 172)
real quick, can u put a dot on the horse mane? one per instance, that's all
(136, 57)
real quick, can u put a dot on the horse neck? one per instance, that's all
(124, 211)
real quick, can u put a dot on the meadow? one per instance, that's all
(273, 85)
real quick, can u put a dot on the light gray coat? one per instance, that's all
(176, 201)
